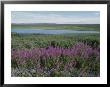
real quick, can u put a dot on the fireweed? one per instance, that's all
(54, 60)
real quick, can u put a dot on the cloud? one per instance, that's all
(56, 17)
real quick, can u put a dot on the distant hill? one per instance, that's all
(49, 24)
(92, 27)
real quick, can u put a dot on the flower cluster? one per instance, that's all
(79, 49)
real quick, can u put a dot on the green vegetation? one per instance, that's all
(55, 66)
(30, 41)
(95, 27)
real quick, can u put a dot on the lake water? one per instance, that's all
(44, 31)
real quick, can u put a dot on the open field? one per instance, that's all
(95, 27)
(40, 40)
(66, 55)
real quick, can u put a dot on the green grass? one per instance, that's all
(95, 27)
(38, 40)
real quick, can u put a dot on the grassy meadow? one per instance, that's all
(51, 55)
(82, 27)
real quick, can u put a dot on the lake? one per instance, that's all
(44, 31)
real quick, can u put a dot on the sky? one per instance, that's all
(58, 17)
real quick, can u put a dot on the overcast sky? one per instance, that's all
(59, 17)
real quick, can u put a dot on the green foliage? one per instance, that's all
(82, 66)
(29, 41)
(58, 26)
(14, 63)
